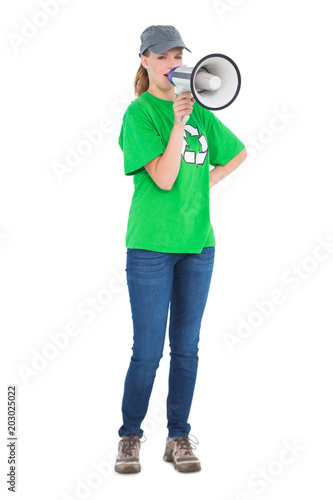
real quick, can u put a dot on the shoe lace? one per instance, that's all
(186, 445)
(129, 445)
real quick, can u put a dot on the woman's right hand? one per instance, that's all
(182, 105)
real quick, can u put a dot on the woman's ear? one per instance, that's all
(144, 62)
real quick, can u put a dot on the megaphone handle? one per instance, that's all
(181, 90)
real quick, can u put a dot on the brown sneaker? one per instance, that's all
(127, 460)
(179, 451)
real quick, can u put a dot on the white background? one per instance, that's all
(62, 242)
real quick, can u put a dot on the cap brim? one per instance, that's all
(159, 48)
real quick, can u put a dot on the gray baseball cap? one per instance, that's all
(159, 39)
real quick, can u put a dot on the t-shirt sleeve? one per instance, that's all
(139, 141)
(223, 145)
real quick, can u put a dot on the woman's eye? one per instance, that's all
(176, 57)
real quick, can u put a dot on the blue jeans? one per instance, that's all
(154, 280)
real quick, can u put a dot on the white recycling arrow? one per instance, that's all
(191, 130)
(191, 156)
(201, 155)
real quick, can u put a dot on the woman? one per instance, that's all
(170, 240)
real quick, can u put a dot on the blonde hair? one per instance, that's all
(141, 80)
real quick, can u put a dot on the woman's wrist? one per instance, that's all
(179, 125)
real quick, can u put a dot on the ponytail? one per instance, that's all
(141, 80)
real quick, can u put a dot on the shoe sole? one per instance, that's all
(179, 468)
(191, 468)
(128, 469)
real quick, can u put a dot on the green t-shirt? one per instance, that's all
(175, 220)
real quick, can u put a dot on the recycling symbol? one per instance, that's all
(196, 158)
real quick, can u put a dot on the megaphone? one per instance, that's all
(214, 81)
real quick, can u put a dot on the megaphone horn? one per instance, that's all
(214, 81)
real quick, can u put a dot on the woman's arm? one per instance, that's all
(164, 168)
(221, 171)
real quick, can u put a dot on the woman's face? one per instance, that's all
(159, 65)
